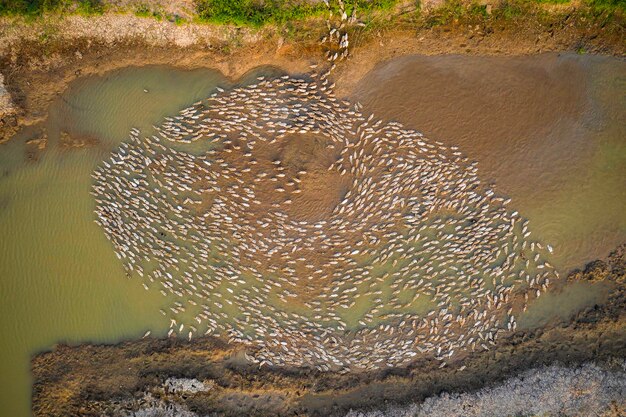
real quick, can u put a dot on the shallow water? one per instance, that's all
(557, 149)
(60, 279)
(561, 305)
(548, 130)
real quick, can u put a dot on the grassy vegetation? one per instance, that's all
(512, 9)
(468, 12)
(609, 5)
(553, 1)
(256, 13)
(253, 13)
(38, 7)
(454, 10)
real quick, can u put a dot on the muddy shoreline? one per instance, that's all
(38, 60)
(117, 379)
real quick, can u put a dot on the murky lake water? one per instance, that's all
(549, 131)
(60, 280)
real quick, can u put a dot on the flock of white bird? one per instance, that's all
(277, 215)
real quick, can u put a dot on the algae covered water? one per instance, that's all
(61, 282)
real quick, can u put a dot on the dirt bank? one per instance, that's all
(39, 58)
(110, 380)
(586, 390)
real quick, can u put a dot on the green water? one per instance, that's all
(61, 282)
(563, 304)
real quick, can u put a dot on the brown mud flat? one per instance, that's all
(90, 380)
